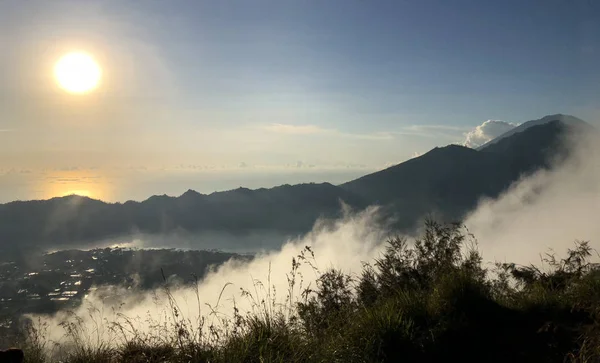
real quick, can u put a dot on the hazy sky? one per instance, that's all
(212, 95)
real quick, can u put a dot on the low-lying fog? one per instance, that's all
(548, 210)
(243, 243)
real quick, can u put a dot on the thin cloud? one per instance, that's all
(435, 127)
(296, 129)
(371, 136)
(444, 131)
(314, 130)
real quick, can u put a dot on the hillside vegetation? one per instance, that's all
(434, 300)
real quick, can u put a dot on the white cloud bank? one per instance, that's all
(487, 131)
(345, 244)
(550, 209)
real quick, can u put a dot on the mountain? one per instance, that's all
(568, 120)
(74, 220)
(437, 181)
(447, 181)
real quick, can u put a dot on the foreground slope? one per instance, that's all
(422, 302)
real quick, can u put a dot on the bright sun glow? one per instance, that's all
(81, 193)
(85, 183)
(77, 73)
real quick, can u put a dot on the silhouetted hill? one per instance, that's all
(286, 208)
(567, 120)
(445, 180)
(448, 181)
(73, 219)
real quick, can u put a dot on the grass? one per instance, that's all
(428, 301)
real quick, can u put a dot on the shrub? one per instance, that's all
(430, 300)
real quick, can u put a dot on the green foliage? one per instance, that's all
(426, 300)
(330, 304)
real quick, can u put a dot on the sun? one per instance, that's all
(77, 73)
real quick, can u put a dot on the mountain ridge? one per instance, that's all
(447, 180)
(566, 119)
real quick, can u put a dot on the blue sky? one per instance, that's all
(454, 62)
(269, 87)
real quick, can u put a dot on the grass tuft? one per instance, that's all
(427, 301)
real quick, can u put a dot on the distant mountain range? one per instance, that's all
(447, 181)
